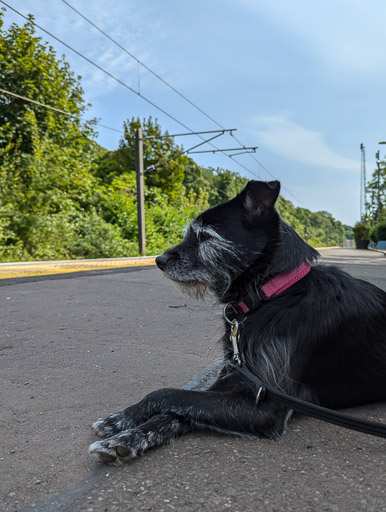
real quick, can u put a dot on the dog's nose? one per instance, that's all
(161, 261)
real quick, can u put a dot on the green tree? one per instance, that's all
(378, 232)
(45, 156)
(361, 231)
(227, 184)
(378, 180)
(317, 228)
(31, 68)
(197, 180)
(164, 162)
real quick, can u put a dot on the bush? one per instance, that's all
(373, 234)
(93, 237)
(378, 232)
(381, 232)
(361, 231)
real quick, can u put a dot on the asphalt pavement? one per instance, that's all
(77, 346)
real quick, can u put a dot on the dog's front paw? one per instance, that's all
(112, 424)
(125, 445)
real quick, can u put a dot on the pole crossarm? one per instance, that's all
(247, 150)
(244, 149)
(204, 142)
(230, 130)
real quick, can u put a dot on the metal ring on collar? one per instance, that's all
(225, 314)
(258, 396)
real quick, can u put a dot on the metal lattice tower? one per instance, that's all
(363, 183)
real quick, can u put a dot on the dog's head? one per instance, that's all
(222, 242)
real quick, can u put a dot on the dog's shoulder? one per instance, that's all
(330, 277)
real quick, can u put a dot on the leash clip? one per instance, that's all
(234, 337)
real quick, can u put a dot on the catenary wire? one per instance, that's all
(55, 109)
(165, 160)
(104, 71)
(38, 103)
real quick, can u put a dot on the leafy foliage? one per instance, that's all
(45, 157)
(317, 228)
(378, 181)
(378, 232)
(163, 160)
(361, 231)
(381, 231)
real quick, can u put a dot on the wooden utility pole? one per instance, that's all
(140, 192)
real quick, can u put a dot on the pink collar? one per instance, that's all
(274, 287)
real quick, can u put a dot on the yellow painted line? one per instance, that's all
(325, 248)
(42, 268)
(45, 268)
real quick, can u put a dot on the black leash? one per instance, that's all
(262, 391)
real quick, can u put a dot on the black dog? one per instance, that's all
(320, 336)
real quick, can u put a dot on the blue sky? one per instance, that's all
(303, 80)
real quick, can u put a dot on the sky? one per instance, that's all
(302, 80)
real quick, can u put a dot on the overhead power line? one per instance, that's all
(38, 103)
(266, 170)
(107, 127)
(59, 110)
(49, 107)
(230, 130)
(109, 74)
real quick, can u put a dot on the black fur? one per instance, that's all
(322, 340)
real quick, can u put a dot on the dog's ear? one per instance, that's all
(260, 196)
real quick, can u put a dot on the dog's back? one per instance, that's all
(326, 339)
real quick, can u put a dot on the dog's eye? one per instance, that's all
(203, 236)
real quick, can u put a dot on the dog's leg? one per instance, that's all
(231, 411)
(137, 414)
(168, 413)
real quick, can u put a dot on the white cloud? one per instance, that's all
(299, 144)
